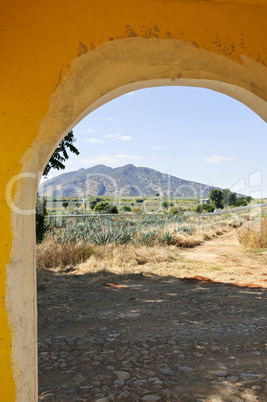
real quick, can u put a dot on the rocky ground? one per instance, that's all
(150, 339)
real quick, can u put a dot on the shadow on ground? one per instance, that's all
(201, 340)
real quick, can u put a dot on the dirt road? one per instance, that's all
(150, 338)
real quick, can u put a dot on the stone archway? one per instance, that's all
(93, 79)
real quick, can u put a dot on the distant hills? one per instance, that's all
(127, 180)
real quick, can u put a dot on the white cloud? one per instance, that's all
(94, 141)
(111, 136)
(118, 137)
(217, 158)
(110, 119)
(159, 147)
(197, 144)
(91, 131)
(120, 120)
(125, 138)
(98, 118)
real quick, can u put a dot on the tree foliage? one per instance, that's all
(65, 204)
(167, 204)
(105, 207)
(232, 199)
(61, 154)
(93, 202)
(216, 197)
(126, 208)
(229, 198)
(205, 208)
(41, 212)
(241, 202)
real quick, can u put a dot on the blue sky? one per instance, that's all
(192, 133)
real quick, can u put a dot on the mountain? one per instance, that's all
(127, 180)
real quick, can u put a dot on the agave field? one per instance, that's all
(72, 240)
(148, 230)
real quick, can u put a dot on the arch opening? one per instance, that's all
(115, 281)
(93, 80)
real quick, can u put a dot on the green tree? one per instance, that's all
(93, 202)
(41, 212)
(226, 193)
(232, 199)
(241, 202)
(167, 204)
(216, 197)
(60, 155)
(125, 208)
(65, 204)
(105, 207)
(229, 198)
(78, 204)
(205, 208)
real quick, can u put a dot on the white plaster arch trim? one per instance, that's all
(93, 79)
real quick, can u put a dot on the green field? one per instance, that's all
(138, 205)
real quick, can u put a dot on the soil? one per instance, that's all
(200, 337)
(235, 264)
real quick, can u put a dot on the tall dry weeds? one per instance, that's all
(50, 254)
(253, 235)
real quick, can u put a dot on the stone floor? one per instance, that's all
(143, 339)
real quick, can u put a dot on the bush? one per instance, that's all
(41, 212)
(139, 200)
(174, 211)
(105, 207)
(112, 210)
(241, 202)
(205, 208)
(125, 208)
(167, 204)
(93, 202)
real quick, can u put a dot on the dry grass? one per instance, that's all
(122, 258)
(157, 262)
(50, 254)
(158, 259)
(253, 235)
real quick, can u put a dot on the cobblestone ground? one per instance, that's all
(150, 340)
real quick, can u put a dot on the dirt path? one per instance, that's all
(149, 338)
(233, 262)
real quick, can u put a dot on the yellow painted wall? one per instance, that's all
(40, 39)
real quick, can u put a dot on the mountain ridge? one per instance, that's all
(127, 180)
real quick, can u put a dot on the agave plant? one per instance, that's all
(167, 238)
(147, 237)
